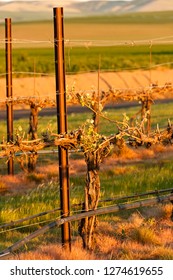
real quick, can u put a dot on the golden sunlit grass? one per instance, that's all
(134, 238)
(56, 252)
(142, 154)
(36, 177)
(49, 171)
(3, 186)
(145, 233)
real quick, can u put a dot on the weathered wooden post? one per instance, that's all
(9, 92)
(62, 121)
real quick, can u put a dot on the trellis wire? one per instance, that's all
(91, 42)
(116, 70)
(120, 198)
(124, 90)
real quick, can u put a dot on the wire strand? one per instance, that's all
(93, 42)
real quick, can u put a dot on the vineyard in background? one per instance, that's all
(135, 132)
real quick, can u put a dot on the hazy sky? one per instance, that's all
(56, 1)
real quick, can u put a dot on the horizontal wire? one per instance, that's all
(78, 211)
(94, 42)
(111, 44)
(26, 226)
(50, 220)
(130, 43)
(44, 152)
(41, 222)
(124, 206)
(119, 69)
(30, 97)
(115, 198)
(23, 41)
(29, 73)
(135, 89)
(90, 71)
(33, 73)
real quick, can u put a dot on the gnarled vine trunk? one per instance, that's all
(33, 121)
(32, 161)
(146, 113)
(32, 132)
(92, 194)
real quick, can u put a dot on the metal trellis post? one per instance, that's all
(62, 121)
(9, 92)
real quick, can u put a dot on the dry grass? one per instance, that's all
(142, 154)
(16, 184)
(143, 234)
(56, 252)
(134, 238)
(22, 181)
(3, 187)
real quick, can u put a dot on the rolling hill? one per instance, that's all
(42, 10)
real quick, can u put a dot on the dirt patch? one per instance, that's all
(45, 86)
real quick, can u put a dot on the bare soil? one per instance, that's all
(45, 86)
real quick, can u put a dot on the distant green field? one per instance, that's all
(79, 59)
(117, 58)
(118, 41)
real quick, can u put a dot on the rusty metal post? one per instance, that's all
(9, 93)
(62, 121)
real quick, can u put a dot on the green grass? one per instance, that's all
(39, 57)
(116, 58)
(30, 60)
(136, 178)
(79, 59)
(160, 114)
(145, 236)
(34, 203)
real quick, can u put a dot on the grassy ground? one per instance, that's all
(160, 113)
(145, 231)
